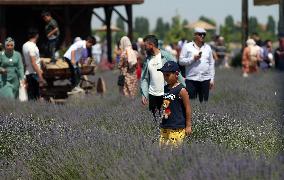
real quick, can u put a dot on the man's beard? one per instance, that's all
(149, 52)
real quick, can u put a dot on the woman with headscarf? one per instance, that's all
(250, 57)
(127, 66)
(11, 70)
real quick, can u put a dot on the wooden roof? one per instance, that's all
(70, 2)
(265, 2)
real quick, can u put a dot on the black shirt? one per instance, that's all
(173, 108)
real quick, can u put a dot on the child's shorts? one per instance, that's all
(172, 136)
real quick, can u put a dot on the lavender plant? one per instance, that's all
(238, 134)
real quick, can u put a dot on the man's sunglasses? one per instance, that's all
(201, 34)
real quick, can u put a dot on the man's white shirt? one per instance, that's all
(30, 49)
(156, 86)
(197, 70)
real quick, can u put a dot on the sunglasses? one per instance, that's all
(201, 34)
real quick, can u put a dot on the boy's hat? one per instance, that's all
(169, 66)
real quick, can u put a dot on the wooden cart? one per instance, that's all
(58, 76)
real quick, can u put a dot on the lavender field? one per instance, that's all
(238, 134)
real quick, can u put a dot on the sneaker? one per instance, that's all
(76, 90)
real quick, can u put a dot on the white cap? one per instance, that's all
(199, 30)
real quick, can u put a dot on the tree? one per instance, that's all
(208, 20)
(120, 25)
(176, 31)
(253, 25)
(161, 28)
(230, 31)
(229, 22)
(141, 27)
(270, 25)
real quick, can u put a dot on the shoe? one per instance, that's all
(76, 90)
(245, 75)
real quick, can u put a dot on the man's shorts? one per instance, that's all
(155, 102)
(171, 136)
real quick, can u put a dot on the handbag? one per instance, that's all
(121, 80)
(23, 96)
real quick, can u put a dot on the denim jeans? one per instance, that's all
(52, 44)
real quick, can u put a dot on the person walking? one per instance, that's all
(266, 55)
(127, 66)
(176, 117)
(33, 68)
(11, 70)
(152, 81)
(279, 54)
(198, 60)
(52, 33)
(250, 58)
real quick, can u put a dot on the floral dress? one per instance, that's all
(130, 84)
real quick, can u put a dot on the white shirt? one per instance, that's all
(30, 49)
(197, 70)
(78, 47)
(156, 86)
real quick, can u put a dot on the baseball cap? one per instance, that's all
(169, 66)
(199, 30)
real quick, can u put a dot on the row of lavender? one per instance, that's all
(237, 135)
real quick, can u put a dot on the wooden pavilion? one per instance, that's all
(73, 17)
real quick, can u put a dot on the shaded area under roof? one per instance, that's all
(70, 2)
(265, 2)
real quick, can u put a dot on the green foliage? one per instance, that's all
(208, 20)
(161, 28)
(253, 25)
(120, 25)
(141, 26)
(176, 31)
(270, 25)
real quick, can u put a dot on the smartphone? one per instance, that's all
(200, 53)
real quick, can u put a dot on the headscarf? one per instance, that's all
(126, 46)
(250, 42)
(9, 40)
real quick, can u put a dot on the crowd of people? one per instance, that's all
(259, 55)
(164, 88)
(16, 72)
(169, 76)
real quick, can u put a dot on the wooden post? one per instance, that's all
(2, 24)
(67, 27)
(281, 18)
(108, 13)
(244, 22)
(129, 22)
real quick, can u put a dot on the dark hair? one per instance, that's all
(151, 38)
(45, 13)
(32, 32)
(134, 46)
(91, 39)
(254, 34)
(267, 40)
